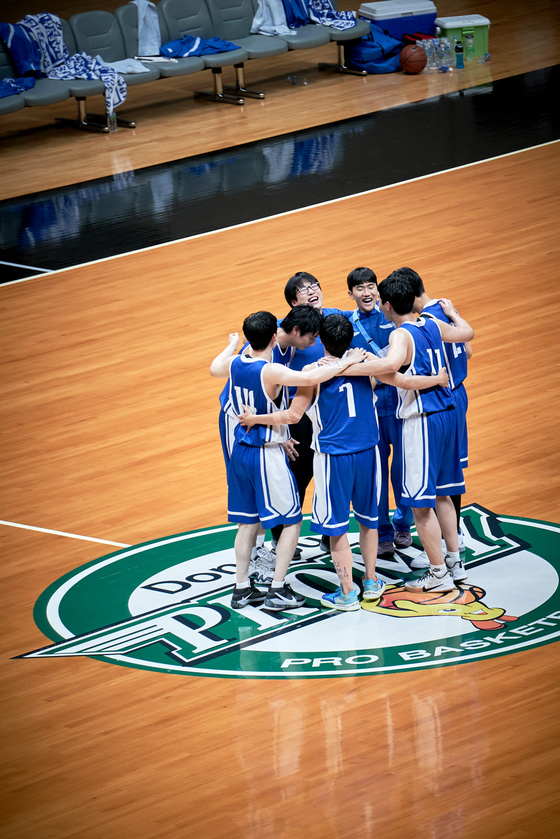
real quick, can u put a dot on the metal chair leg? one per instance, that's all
(341, 67)
(240, 84)
(218, 95)
(93, 122)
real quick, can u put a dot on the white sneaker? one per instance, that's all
(456, 568)
(420, 561)
(432, 581)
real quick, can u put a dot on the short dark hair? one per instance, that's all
(295, 283)
(359, 276)
(414, 278)
(305, 317)
(336, 333)
(259, 328)
(397, 290)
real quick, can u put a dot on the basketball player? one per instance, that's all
(431, 454)
(346, 461)
(261, 487)
(456, 356)
(299, 330)
(371, 331)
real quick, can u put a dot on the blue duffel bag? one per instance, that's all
(377, 53)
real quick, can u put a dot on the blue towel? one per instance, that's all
(24, 49)
(9, 87)
(296, 13)
(196, 46)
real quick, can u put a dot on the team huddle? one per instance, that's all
(338, 396)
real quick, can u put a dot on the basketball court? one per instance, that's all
(136, 702)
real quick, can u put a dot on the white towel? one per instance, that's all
(270, 19)
(149, 35)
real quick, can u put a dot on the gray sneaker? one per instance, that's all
(262, 567)
(402, 539)
(385, 550)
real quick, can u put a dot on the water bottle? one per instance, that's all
(459, 63)
(112, 121)
(469, 50)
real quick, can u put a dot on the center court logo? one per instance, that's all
(165, 606)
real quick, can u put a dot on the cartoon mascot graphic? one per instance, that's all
(465, 602)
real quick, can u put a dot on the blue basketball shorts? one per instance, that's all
(261, 487)
(431, 459)
(342, 480)
(461, 406)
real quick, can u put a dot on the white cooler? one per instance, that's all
(401, 16)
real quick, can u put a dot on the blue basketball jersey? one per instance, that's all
(427, 360)
(315, 351)
(454, 354)
(246, 388)
(279, 356)
(343, 416)
(371, 333)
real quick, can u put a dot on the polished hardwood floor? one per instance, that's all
(109, 431)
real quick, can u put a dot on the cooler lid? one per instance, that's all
(462, 20)
(384, 9)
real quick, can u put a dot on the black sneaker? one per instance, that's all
(248, 596)
(279, 599)
(297, 552)
(325, 544)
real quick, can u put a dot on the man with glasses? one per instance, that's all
(305, 288)
(371, 332)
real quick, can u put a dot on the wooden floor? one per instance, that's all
(110, 431)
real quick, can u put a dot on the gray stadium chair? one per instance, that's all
(304, 38)
(127, 17)
(232, 20)
(191, 17)
(99, 33)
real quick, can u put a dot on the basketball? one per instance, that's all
(413, 59)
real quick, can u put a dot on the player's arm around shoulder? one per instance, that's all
(459, 330)
(221, 364)
(312, 374)
(416, 382)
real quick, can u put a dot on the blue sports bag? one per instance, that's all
(377, 53)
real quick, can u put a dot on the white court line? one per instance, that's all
(29, 267)
(62, 533)
(289, 212)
